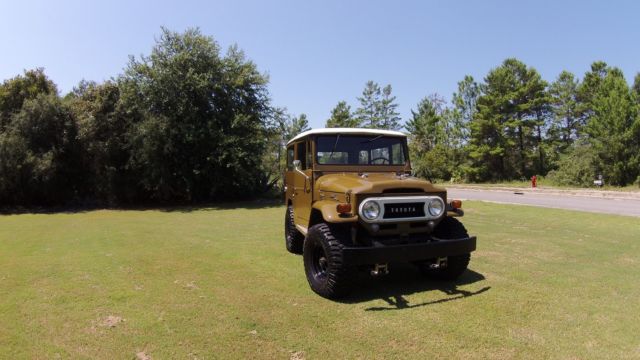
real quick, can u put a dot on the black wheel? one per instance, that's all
(292, 237)
(449, 228)
(326, 273)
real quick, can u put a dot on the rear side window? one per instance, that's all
(302, 154)
(290, 156)
(309, 155)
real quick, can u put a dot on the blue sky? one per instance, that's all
(320, 52)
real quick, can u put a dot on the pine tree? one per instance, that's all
(341, 117)
(464, 108)
(507, 129)
(378, 109)
(613, 129)
(390, 118)
(368, 113)
(567, 124)
(425, 126)
(636, 87)
(298, 125)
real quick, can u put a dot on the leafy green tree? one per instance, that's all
(104, 130)
(278, 134)
(341, 117)
(201, 128)
(14, 92)
(39, 153)
(38, 148)
(282, 127)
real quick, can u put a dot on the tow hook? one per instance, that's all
(439, 263)
(380, 269)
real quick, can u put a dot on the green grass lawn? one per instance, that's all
(218, 283)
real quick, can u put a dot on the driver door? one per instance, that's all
(302, 183)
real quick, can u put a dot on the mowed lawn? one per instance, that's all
(218, 283)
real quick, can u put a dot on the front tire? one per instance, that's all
(326, 272)
(448, 229)
(292, 237)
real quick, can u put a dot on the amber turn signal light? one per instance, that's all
(344, 208)
(456, 204)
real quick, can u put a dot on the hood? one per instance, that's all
(373, 183)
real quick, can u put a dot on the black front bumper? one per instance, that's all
(408, 252)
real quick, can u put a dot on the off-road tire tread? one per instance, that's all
(294, 240)
(449, 228)
(339, 275)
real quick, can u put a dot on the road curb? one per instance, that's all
(606, 194)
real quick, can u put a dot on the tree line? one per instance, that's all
(514, 124)
(186, 123)
(192, 123)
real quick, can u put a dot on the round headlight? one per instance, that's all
(370, 210)
(436, 207)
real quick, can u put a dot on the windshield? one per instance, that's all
(360, 150)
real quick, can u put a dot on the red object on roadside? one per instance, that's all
(534, 179)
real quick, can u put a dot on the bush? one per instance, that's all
(577, 167)
(39, 154)
(435, 164)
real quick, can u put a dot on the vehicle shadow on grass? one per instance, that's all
(405, 280)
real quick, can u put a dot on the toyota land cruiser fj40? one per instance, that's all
(353, 204)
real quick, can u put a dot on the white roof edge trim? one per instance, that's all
(346, 131)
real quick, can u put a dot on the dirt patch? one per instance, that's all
(191, 286)
(142, 356)
(112, 321)
(298, 355)
(625, 259)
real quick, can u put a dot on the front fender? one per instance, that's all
(330, 213)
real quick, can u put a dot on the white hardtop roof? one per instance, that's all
(352, 131)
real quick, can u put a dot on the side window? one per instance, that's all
(309, 155)
(290, 155)
(301, 148)
(398, 154)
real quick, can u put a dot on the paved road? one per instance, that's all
(591, 204)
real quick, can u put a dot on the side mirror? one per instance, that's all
(296, 167)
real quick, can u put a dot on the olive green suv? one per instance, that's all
(352, 204)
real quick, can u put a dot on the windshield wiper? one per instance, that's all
(372, 140)
(334, 147)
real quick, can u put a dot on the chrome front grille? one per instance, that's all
(403, 210)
